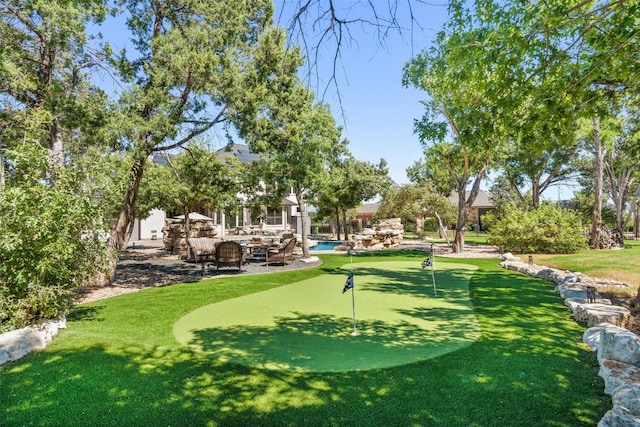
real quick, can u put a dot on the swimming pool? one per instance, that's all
(325, 245)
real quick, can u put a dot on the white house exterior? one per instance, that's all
(150, 227)
(236, 221)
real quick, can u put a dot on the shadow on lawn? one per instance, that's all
(84, 313)
(528, 369)
(416, 282)
(320, 343)
(134, 386)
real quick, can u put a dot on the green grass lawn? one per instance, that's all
(119, 364)
(617, 264)
(308, 325)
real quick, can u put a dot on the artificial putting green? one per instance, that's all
(308, 325)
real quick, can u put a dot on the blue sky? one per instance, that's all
(377, 112)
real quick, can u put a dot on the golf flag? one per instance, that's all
(426, 263)
(348, 284)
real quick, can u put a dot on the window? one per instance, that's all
(274, 216)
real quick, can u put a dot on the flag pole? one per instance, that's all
(433, 277)
(355, 332)
(353, 296)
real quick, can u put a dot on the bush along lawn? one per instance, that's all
(119, 364)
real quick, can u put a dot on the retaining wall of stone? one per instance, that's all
(18, 343)
(618, 349)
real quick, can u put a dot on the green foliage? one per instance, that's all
(350, 182)
(410, 201)
(49, 238)
(195, 178)
(582, 203)
(43, 63)
(548, 229)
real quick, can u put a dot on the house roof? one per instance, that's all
(483, 199)
(240, 151)
(290, 200)
(368, 208)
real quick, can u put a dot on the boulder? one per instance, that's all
(510, 257)
(622, 382)
(618, 417)
(594, 314)
(592, 337)
(18, 343)
(619, 344)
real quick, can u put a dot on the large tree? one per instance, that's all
(415, 202)
(45, 92)
(458, 128)
(350, 182)
(296, 138)
(531, 68)
(196, 65)
(50, 117)
(194, 179)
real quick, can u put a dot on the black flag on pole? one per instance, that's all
(348, 284)
(426, 263)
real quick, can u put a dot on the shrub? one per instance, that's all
(548, 229)
(48, 239)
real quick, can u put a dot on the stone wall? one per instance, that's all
(618, 352)
(618, 349)
(173, 232)
(18, 343)
(386, 234)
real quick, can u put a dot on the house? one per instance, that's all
(238, 220)
(365, 213)
(481, 205)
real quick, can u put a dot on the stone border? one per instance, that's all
(618, 349)
(20, 342)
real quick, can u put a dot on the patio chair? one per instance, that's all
(202, 250)
(283, 253)
(229, 254)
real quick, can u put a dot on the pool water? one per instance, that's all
(325, 246)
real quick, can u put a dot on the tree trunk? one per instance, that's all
(441, 231)
(464, 206)
(598, 173)
(336, 224)
(420, 220)
(535, 194)
(121, 232)
(56, 150)
(344, 224)
(187, 225)
(2, 171)
(461, 223)
(635, 302)
(302, 205)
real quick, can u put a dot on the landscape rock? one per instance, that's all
(510, 257)
(18, 343)
(386, 234)
(595, 314)
(618, 417)
(619, 344)
(618, 349)
(618, 352)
